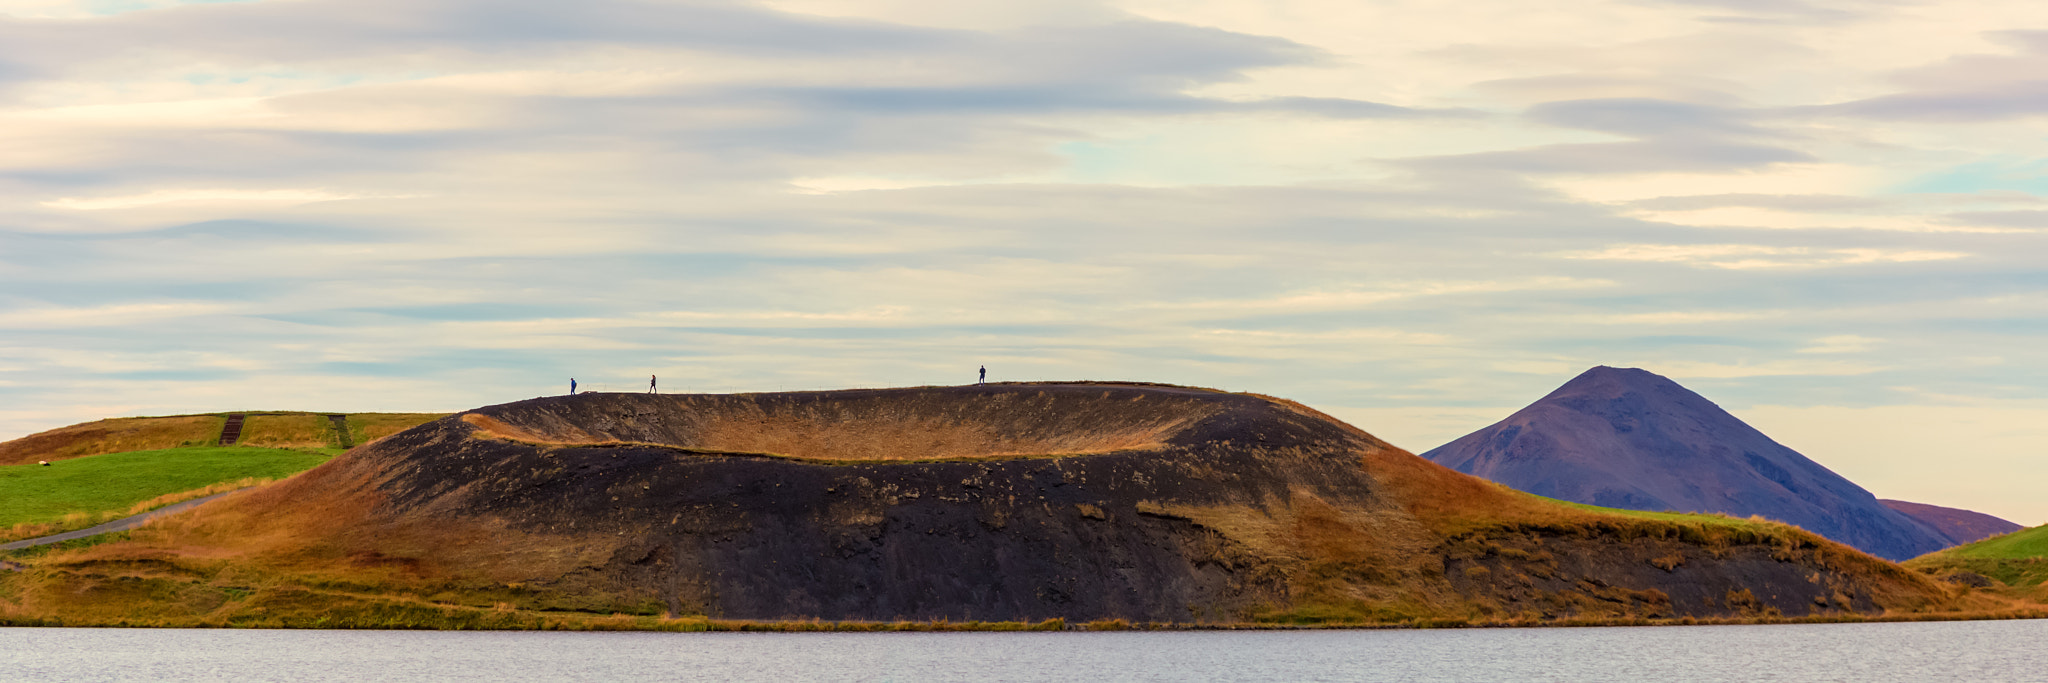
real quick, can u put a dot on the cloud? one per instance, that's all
(1962, 88)
(1136, 65)
(1620, 157)
(2026, 219)
(1770, 12)
(1683, 370)
(209, 196)
(1802, 203)
(127, 314)
(1662, 318)
(438, 204)
(1668, 137)
(1756, 256)
(1841, 343)
(1591, 86)
(1645, 118)
(2007, 101)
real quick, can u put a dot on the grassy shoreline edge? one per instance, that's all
(559, 622)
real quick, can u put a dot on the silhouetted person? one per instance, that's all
(984, 376)
(572, 386)
(650, 384)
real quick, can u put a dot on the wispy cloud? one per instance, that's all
(1788, 368)
(210, 196)
(441, 203)
(1841, 343)
(1756, 256)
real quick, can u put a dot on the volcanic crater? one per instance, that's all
(1004, 502)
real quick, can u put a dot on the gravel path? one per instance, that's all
(122, 524)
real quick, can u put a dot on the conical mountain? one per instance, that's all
(1628, 438)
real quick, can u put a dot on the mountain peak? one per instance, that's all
(1603, 378)
(1630, 438)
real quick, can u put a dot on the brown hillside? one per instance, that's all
(999, 502)
(115, 435)
(268, 429)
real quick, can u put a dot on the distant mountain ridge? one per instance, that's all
(1628, 438)
(1960, 526)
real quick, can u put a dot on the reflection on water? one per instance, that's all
(1979, 651)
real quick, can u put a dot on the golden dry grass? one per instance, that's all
(273, 430)
(315, 430)
(311, 552)
(368, 427)
(287, 431)
(116, 435)
(1000, 425)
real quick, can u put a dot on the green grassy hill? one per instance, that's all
(37, 500)
(2022, 544)
(2018, 559)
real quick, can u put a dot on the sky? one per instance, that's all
(1828, 217)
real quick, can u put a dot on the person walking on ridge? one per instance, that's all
(572, 386)
(984, 376)
(650, 384)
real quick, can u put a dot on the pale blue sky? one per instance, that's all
(1826, 216)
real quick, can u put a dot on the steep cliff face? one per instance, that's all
(1000, 502)
(1626, 438)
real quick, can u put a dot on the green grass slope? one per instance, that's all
(82, 491)
(2018, 559)
(2022, 544)
(1708, 518)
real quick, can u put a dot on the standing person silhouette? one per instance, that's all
(572, 386)
(984, 376)
(650, 384)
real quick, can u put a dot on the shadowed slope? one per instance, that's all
(1625, 438)
(999, 502)
(1960, 526)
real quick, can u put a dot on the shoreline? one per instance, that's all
(545, 622)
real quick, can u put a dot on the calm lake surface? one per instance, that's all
(1963, 651)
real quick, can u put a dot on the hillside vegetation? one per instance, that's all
(2022, 544)
(113, 435)
(37, 500)
(271, 429)
(999, 505)
(2017, 561)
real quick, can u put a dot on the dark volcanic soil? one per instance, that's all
(990, 538)
(999, 502)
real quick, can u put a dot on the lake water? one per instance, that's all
(1959, 651)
